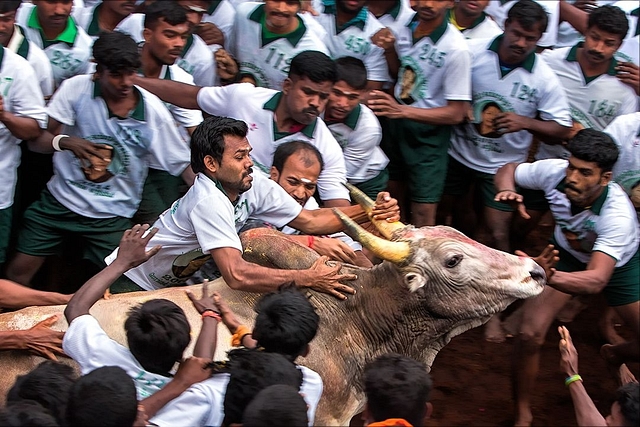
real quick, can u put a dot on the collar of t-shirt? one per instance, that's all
(266, 36)
(219, 187)
(435, 35)
(213, 6)
(359, 20)
(19, 43)
(307, 130)
(68, 35)
(94, 26)
(572, 56)
(350, 120)
(137, 113)
(636, 13)
(595, 207)
(505, 68)
(452, 18)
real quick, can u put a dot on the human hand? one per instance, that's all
(94, 158)
(132, 250)
(510, 122)
(227, 66)
(43, 341)
(306, 6)
(384, 39)
(210, 33)
(324, 278)
(192, 370)
(226, 314)
(334, 248)
(547, 259)
(384, 105)
(514, 199)
(629, 74)
(206, 302)
(568, 353)
(386, 208)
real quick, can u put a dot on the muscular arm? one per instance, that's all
(451, 114)
(586, 412)
(590, 281)
(549, 130)
(21, 127)
(42, 144)
(15, 296)
(176, 93)
(578, 19)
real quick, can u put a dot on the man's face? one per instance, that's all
(599, 46)
(6, 27)
(122, 8)
(279, 13)
(166, 41)
(342, 100)
(234, 173)
(584, 181)
(616, 418)
(432, 10)
(53, 14)
(195, 10)
(299, 175)
(518, 42)
(305, 99)
(471, 8)
(117, 84)
(351, 6)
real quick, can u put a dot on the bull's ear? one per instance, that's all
(414, 281)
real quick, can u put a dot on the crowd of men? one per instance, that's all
(205, 118)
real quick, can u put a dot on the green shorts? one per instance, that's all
(623, 287)
(417, 155)
(460, 178)
(47, 222)
(123, 285)
(160, 190)
(374, 185)
(5, 231)
(534, 199)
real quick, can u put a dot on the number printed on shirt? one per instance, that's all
(5, 85)
(276, 58)
(64, 60)
(357, 45)
(602, 109)
(523, 92)
(432, 55)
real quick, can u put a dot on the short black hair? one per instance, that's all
(26, 414)
(314, 65)
(276, 406)
(105, 396)
(286, 322)
(116, 52)
(158, 332)
(208, 139)
(528, 14)
(397, 386)
(167, 10)
(289, 148)
(352, 71)
(9, 5)
(48, 385)
(611, 19)
(592, 145)
(252, 370)
(628, 397)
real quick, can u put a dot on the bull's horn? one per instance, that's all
(385, 228)
(396, 252)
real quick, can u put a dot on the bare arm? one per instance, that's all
(245, 276)
(336, 203)
(15, 296)
(131, 253)
(20, 127)
(40, 340)
(176, 93)
(385, 105)
(333, 248)
(590, 281)
(578, 19)
(546, 130)
(205, 346)
(505, 183)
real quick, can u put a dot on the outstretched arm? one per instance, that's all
(176, 93)
(40, 340)
(15, 296)
(206, 343)
(131, 253)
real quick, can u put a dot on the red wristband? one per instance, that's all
(310, 241)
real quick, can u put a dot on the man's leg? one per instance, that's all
(23, 267)
(539, 313)
(423, 214)
(498, 223)
(628, 351)
(398, 190)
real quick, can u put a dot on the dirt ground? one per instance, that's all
(472, 381)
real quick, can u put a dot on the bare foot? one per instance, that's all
(626, 377)
(493, 331)
(571, 309)
(524, 420)
(619, 370)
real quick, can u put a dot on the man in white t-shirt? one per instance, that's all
(104, 16)
(596, 233)
(276, 117)
(499, 9)
(204, 223)
(22, 114)
(265, 39)
(215, 21)
(116, 130)
(470, 18)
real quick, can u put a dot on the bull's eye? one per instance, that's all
(453, 261)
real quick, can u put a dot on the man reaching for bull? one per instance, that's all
(204, 223)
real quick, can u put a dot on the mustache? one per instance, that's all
(573, 188)
(284, 15)
(311, 110)
(248, 172)
(596, 54)
(516, 48)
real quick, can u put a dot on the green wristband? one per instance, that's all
(572, 379)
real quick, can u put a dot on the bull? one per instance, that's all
(434, 284)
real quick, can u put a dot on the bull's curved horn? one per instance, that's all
(396, 252)
(385, 228)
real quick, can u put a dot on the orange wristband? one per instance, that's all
(241, 332)
(211, 313)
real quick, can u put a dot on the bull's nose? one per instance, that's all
(538, 274)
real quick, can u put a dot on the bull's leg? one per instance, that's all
(539, 313)
(270, 248)
(23, 267)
